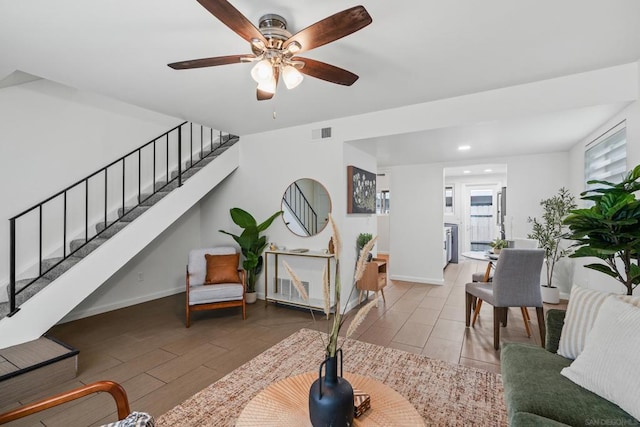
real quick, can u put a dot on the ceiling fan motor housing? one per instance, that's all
(274, 28)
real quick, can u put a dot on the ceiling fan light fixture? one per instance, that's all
(293, 47)
(291, 77)
(262, 71)
(268, 85)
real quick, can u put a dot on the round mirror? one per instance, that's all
(306, 205)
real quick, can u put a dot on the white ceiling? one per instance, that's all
(547, 133)
(414, 51)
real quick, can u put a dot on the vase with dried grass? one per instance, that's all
(331, 395)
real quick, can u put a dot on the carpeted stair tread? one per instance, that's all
(36, 287)
(221, 149)
(151, 199)
(207, 160)
(86, 249)
(133, 213)
(163, 186)
(187, 174)
(60, 269)
(4, 309)
(114, 228)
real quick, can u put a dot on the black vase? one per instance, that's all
(331, 396)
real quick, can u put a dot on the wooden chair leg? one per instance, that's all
(540, 315)
(505, 315)
(469, 303)
(526, 313)
(526, 321)
(244, 310)
(497, 317)
(383, 298)
(476, 312)
(188, 316)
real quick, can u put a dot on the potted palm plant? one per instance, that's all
(610, 229)
(252, 244)
(549, 232)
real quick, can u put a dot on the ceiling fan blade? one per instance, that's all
(330, 29)
(323, 71)
(232, 18)
(209, 62)
(263, 96)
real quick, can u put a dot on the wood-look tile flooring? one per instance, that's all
(160, 363)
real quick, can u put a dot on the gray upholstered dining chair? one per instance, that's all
(516, 283)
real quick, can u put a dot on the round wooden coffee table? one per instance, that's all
(286, 403)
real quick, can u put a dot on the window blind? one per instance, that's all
(606, 157)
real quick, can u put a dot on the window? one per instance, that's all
(382, 202)
(448, 199)
(606, 157)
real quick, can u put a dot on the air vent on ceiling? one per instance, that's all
(321, 133)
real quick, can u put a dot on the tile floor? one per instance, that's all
(160, 363)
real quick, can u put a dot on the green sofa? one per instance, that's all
(537, 395)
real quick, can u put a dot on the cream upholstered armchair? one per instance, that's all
(214, 280)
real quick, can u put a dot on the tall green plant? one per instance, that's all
(610, 229)
(251, 242)
(550, 230)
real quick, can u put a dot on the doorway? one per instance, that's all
(481, 223)
(478, 194)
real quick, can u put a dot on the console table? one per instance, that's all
(293, 298)
(286, 403)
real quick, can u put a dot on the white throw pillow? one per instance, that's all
(581, 312)
(609, 365)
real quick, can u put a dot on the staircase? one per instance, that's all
(83, 263)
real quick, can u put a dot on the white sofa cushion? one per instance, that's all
(198, 264)
(609, 365)
(201, 294)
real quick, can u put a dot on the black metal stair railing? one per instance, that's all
(151, 165)
(300, 207)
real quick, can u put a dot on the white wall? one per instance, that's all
(52, 136)
(157, 271)
(416, 227)
(270, 162)
(583, 276)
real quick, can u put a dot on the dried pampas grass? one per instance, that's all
(337, 243)
(296, 282)
(362, 261)
(326, 297)
(362, 313)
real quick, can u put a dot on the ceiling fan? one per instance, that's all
(274, 48)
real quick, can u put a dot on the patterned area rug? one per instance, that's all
(444, 394)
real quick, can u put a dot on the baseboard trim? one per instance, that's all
(81, 314)
(425, 280)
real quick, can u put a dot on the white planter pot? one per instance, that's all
(250, 297)
(550, 295)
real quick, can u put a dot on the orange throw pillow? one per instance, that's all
(222, 269)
